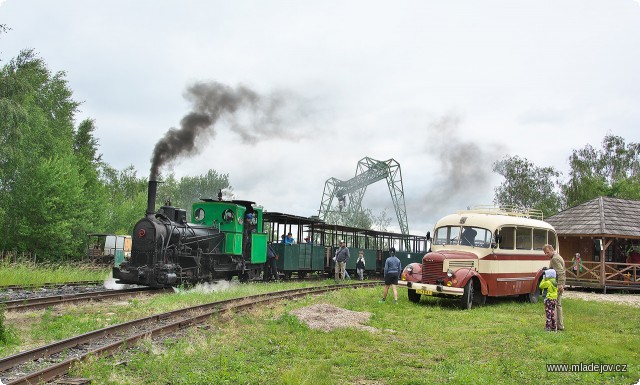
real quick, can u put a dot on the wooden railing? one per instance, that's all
(609, 273)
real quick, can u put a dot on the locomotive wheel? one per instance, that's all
(413, 296)
(249, 275)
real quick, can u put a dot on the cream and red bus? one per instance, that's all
(482, 252)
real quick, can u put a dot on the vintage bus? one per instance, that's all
(483, 252)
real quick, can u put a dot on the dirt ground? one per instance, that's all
(327, 317)
(624, 299)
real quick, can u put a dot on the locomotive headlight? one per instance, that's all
(410, 268)
(449, 273)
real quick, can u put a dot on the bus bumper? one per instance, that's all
(427, 289)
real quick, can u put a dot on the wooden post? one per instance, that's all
(603, 274)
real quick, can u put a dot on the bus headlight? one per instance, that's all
(449, 273)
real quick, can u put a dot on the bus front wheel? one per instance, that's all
(466, 301)
(413, 296)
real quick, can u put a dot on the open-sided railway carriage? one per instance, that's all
(317, 241)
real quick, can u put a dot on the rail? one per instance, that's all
(129, 333)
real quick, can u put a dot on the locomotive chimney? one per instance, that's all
(151, 198)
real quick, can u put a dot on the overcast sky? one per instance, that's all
(443, 87)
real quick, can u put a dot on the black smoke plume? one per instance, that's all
(462, 167)
(250, 115)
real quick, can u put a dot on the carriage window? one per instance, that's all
(539, 238)
(199, 214)
(523, 238)
(508, 238)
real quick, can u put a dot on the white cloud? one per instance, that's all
(535, 81)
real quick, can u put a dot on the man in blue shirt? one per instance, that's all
(392, 270)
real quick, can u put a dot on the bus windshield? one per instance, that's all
(462, 235)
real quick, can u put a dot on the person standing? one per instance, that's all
(360, 265)
(270, 269)
(392, 270)
(550, 287)
(577, 264)
(557, 264)
(342, 256)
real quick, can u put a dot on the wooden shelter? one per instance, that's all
(605, 231)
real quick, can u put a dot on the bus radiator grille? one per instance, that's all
(432, 271)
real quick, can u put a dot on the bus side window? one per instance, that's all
(539, 238)
(552, 239)
(508, 238)
(523, 238)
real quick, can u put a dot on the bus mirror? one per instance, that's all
(497, 239)
(428, 235)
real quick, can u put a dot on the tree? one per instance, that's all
(382, 221)
(527, 186)
(613, 170)
(126, 199)
(89, 163)
(188, 189)
(39, 214)
(361, 219)
(51, 215)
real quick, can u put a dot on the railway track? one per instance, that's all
(45, 302)
(49, 285)
(51, 361)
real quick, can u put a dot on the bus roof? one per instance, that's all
(491, 220)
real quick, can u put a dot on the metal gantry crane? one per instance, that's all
(368, 171)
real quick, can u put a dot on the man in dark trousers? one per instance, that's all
(392, 270)
(342, 256)
(270, 269)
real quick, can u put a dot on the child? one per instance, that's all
(551, 286)
(360, 265)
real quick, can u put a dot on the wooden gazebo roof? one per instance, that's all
(603, 216)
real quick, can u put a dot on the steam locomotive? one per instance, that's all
(225, 240)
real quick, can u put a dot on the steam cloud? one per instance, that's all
(252, 116)
(464, 166)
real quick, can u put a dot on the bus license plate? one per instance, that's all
(426, 292)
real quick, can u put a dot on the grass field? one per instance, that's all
(430, 343)
(27, 274)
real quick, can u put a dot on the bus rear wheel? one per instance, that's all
(413, 296)
(534, 295)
